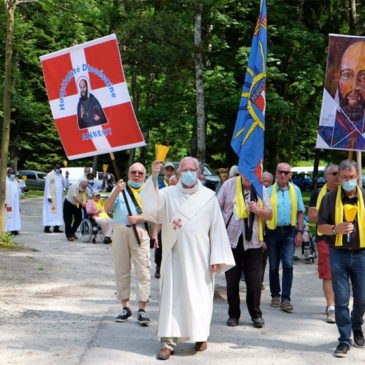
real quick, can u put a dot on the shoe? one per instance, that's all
(258, 322)
(296, 258)
(143, 318)
(15, 233)
(232, 322)
(164, 354)
(57, 230)
(275, 302)
(107, 240)
(70, 239)
(46, 230)
(342, 349)
(75, 237)
(123, 315)
(359, 338)
(331, 316)
(157, 273)
(201, 346)
(286, 306)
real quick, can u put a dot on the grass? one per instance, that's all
(32, 194)
(6, 241)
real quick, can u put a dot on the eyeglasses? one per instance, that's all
(333, 173)
(279, 172)
(97, 196)
(137, 172)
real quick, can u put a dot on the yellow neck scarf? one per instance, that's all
(165, 182)
(360, 216)
(136, 194)
(274, 205)
(240, 207)
(83, 197)
(100, 206)
(321, 194)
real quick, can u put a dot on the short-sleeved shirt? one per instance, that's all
(73, 190)
(284, 204)
(312, 204)
(120, 212)
(326, 215)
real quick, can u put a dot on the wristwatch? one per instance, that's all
(334, 229)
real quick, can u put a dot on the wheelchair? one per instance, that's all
(90, 230)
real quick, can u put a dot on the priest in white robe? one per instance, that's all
(196, 247)
(53, 199)
(12, 203)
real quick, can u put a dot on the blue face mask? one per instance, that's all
(189, 178)
(134, 184)
(57, 171)
(12, 177)
(91, 182)
(349, 185)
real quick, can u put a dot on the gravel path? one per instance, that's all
(57, 306)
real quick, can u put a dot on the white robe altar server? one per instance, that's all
(12, 203)
(53, 199)
(196, 247)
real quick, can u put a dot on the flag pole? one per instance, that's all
(117, 173)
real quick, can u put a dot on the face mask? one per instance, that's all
(134, 184)
(189, 178)
(57, 171)
(349, 185)
(91, 182)
(12, 177)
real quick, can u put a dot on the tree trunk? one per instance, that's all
(315, 168)
(10, 9)
(200, 110)
(353, 17)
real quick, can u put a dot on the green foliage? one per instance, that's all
(157, 43)
(6, 240)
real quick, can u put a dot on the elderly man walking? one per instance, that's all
(324, 271)
(195, 247)
(284, 232)
(125, 248)
(244, 216)
(347, 253)
(12, 203)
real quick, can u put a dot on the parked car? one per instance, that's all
(302, 180)
(211, 178)
(34, 179)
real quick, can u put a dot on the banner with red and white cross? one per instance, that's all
(89, 99)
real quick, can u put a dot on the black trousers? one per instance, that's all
(72, 217)
(251, 263)
(158, 252)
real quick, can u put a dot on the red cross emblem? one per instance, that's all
(176, 224)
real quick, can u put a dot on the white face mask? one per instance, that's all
(12, 177)
(189, 178)
(91, 182)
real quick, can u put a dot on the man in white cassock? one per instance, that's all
(196, 247)
(12, 203)
(53, 199)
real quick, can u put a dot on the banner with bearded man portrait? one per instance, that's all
(342, 120)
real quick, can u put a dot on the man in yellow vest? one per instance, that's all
(324, 271)
(341, 218)
(284, 232)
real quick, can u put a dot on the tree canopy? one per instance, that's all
(156, 39)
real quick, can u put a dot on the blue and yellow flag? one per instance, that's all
(248, 136)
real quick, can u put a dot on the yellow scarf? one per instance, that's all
(83, 197)
(321, 194)
(136, 194)
(274, 205)
(165, 182)
(240, 207)
(360, 216)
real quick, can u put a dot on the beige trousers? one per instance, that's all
(126, 250)
(106, 225)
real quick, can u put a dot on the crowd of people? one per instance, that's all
(197, 233)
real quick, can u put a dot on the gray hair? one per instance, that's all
(328, 168)
(269, 174)
(284, 163)
(347, 165)
(233, 171)
(187, 158)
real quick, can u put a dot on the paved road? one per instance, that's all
(57, 306)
